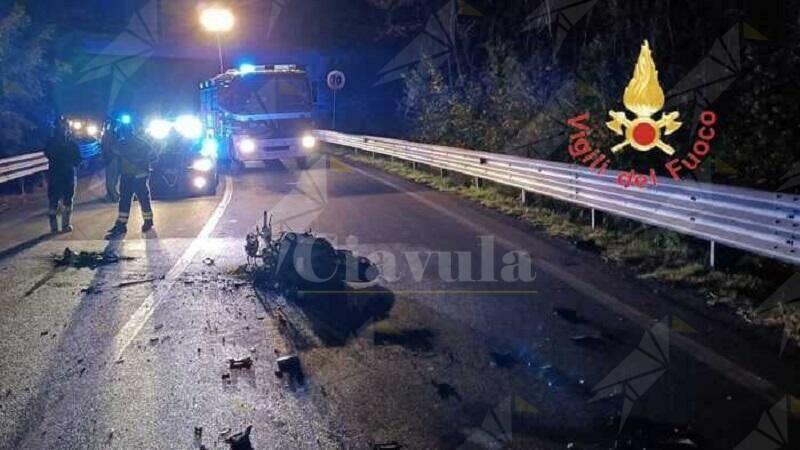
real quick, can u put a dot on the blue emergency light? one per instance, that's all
(244, 69)
(126, 119)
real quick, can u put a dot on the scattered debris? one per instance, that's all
(276, 265)
(91, 260)
(446, 390)
(198, 435)
(243, 363)
(44, 333)
(504, 360)
(683, 442)
(241, 441)
(568, 314)
(387, 446)
(208, 261)
(91, 290)
(290, 365)
(138, 282)
(226, 377)
(589, 340)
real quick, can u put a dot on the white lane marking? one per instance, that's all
(142, 315)
(729, 369)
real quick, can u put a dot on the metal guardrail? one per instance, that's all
(764, 223)
(22, 166)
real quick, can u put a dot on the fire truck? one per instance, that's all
(259, 113)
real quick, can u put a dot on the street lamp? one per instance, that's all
(217, 20)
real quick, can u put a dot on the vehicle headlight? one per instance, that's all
(189, 127)
(159, 129)
(247, 145)
(203, 165)
(200, 182)
(77, 125)
(92, 130)
(309, 141)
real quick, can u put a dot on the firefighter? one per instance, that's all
(135, 155)
(63, 156)
(111, 162)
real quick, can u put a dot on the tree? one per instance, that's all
(26, 77)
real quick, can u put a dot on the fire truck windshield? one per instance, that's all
(267, 94)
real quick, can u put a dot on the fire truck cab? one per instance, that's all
(259, 113)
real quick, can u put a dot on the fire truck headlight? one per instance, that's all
(210, 148)
(203, 165)
(200, 182)
(247, 145)
(309, 141)
(92, 130)
(189, 127)
(77, 125)
(159, 129)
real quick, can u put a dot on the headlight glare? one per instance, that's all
(309, 141)
(189, 127)
(159, 128)
(247, 145)
(203, 165)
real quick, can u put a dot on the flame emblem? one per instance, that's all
(644, 97)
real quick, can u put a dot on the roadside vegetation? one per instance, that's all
(740, 281)
(511, 83)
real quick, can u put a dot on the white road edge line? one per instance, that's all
(137, 320)
(729, 369)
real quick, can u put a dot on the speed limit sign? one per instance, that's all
(336, 80)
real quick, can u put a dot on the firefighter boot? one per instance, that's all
(118, 230)
(66, 218)
(53, 223)
(147, 225)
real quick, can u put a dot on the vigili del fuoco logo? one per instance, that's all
(644, 98)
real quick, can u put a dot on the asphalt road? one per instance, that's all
(135, 354)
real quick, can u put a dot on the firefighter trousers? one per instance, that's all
(112, 179)
(60, 189)
(128, 187)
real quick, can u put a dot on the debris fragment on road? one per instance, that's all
(387, 446)
(84, 259)
(504, 360)
(589, 340)
(290, 365)
(243, 363)
(208, 261)
(446, 390)
(568, 314)
(241, 441)
(138, 282)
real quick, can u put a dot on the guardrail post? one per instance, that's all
(442, 173)
(414, 166)
(476, 182)
(523, 197)
(593, 219)
(712, 256)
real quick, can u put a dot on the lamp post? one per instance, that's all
(217, 20)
